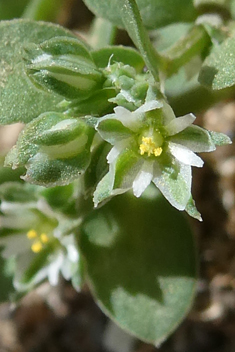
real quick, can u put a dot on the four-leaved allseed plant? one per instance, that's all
(98, 123)
(151, 144)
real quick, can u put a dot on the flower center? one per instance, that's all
(39, 240)
(151, 145)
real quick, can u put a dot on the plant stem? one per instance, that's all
(133, 24)
(102, 33)
(185, 49)
(42, 10)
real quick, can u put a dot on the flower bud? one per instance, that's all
(63, 65)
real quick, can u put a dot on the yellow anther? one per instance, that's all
(44, 238)
(31, 234)
(148, 146)
(36, 247)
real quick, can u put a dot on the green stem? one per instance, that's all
(185, 49)
(42, 10)
(133, 24)
(102, 33)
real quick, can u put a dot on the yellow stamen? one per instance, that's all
(31, 234)
(44, 238)
(148, 146)
(36, 247)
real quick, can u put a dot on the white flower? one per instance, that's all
(41, 241)
(151, 144)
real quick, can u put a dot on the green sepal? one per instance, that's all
(220, 138)
(141, 267)
(174, 181)
(195, 138)
(104, 189)
(192, 210)
(112, 130)
(98, 167)
(127, 166)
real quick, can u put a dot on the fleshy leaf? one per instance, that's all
(141, 267)
(218, 69)
(155, 13)
(20, 100)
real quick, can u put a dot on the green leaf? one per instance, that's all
(111, 54)
(141, 267)
(218, 69)
(155, 13)
(20, 100)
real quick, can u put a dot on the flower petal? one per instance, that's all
(14, 245)
(185, 155)
(174, 184)
(143, 179)
(179, 124)
(148, 106)
(127, 118)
